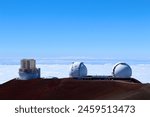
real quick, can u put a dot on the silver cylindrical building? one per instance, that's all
(122, 70)
(78, 69)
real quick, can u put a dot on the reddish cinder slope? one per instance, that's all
(67, 89)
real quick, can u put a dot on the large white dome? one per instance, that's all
(78, 69)
(122, 70)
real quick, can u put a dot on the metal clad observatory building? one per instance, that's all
(78, 69)
(122, 70)
(28, 70)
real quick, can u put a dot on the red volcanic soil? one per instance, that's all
(71, 89)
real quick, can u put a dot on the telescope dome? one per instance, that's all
(122, 70)
(78, 69)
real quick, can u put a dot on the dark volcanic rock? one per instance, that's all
(68, 89)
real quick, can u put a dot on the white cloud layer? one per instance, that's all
(140, 71)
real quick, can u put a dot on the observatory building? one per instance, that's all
(28, 69)
(78, 69)
(122, 70)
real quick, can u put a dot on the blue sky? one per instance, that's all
(76, 28)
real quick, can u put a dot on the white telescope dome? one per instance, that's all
(78, 69)
(122, 70)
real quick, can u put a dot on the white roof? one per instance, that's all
(122, 70)
(78, 69)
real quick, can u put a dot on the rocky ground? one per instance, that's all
(71, 89)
